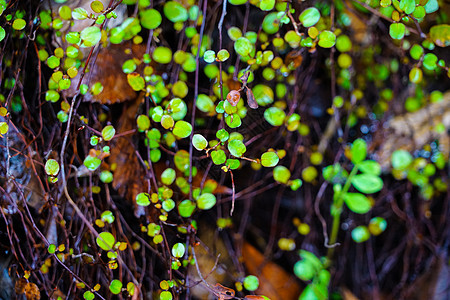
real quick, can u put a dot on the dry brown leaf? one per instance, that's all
(222, 292)
(19, 287)
(32, 291)
(274, 281)
(106, 68)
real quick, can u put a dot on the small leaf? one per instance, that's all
(90, 36)
(115, 287)
(223, 55)
(357, 202)
(150, 18)
(19, 24)
(178, 250)
(367, 183)
(199, 142)
(97, 6)
(165, 295)
(108, 132)
(168, 176)
(401, 159)
(218, 157)
(2, 33)
(136, 81)
(233, 98)
(243, 46)
(281, 174)
(269, 159)
(79, 13)
(360, 234)
(182, 129)
(236, 148)
(143, 199)
(209, 56)
(106, 241)
(370, 167)
(251, 283)
(222, 135)
(51, 167)
(175, 12)
(92, 162)
(327, 39)
(397, 31)
(358, 151)
(309, 17)
(407, 6)
(186, 208)
(274, 116)
(206, 201)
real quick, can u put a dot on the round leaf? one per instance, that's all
(51, 167)
(206, 201)
(143, 199)
(92, 162)
(243, 46)
(360, 234)
(150, 18)
(199, 142)
(182, 129)
(115, 287)
(274, 116)
(90, 36)
(218, 157)
(236, 148)
(186, 208)
(136, 81)
(327, 39)
(309, 17)
(108, 132)
(269, 159)
(358, 151)
(106, 241)
(251, 283)
(401, 159)
(281, 174)
(178, 250)
(397, 31)
(370, 167)
(175, 12)
(209, 56)
(168, 176)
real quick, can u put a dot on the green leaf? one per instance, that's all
(358, 151)
(204, 103)
(162, 55)
(168, 176)
(251, 283)
(304, 270)
(234, 33)
(2, 33)
(90, 36)
(327, 39)
(401, 159)
(367, 183)
(175, 12)
(108, 132)
(377, 225)
(222, 135)
(206, 201)
(357, 202)
(199, 142)
(309, 17)
(115, 287)
(209, 56)
(223, 55)
(143, 199)
(143, 122)
(182, 129)
(88, 295)
(79, 13)
(233, 163)
(407, 6)
(430, 61)
(233, 121)
(397, 31)
(178, 250)
(267, 5)
(19, 24)
(51, 167)
(106, 241)
(416, 51)
(136, 81)
(186, 208)
(236, 148)
(360, 234)
(51, 248)
(271, 23)
(165, 295)
(218, 157)
(269, 159)
(92, 162)
(237, 2)
(263, 94)
(150, 18)
(243, 46)
(431, 6)
(415, 75)
(281, 174)
(370, 167)
(274, 116)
